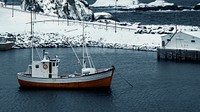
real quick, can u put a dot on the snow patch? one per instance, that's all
(159, 3)
(102, 15)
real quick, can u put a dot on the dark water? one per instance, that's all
(161, 18)
(157, 86)
(158, 17)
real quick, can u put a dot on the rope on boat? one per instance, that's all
(79, 62)
(126, 81)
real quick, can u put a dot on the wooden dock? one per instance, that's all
(178, 54)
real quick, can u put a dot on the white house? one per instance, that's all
(182, 40)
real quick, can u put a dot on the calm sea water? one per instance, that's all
(156, 86)
(184, 17)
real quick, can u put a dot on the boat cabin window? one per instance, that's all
(57, 64)
(163, 43)
(36, 66)
(193, 41)
(50, 75)
(54, 64)
(168, 39)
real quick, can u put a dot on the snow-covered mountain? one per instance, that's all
(134, 4)
(72, 9)
(112, 3)
(159, 3)
(130, 3)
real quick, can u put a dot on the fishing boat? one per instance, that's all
(45, 72)
(5, 45)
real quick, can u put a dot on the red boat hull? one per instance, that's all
(106, 82)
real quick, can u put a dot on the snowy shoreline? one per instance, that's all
(54, 32)
(143, 37)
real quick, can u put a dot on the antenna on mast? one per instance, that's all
(12, 8)
(115, 16)
(85, 52)
(91, 69)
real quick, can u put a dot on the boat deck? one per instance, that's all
(76, 75)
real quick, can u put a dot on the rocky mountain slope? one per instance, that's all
(71, 9)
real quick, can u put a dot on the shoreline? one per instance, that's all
(53, 32)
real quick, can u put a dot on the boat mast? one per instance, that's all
(85, 52)
(31, 4)
(84, 63)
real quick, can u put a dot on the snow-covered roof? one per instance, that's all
(104, 14)
(160, 3)
(192, 33)
(112, 3)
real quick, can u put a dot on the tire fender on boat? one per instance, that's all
(45, 66)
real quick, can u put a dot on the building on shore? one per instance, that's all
(180, 46)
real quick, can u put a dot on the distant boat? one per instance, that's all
(5, 45)
(44, 73)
